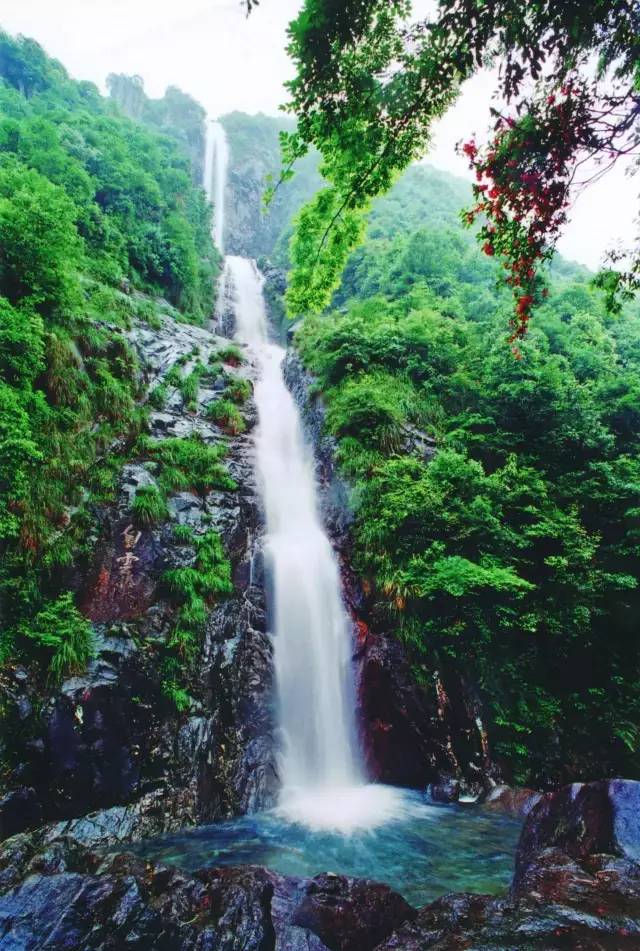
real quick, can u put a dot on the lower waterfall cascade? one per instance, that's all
(322, 773)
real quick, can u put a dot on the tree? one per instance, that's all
(39, 246)
(370, 84)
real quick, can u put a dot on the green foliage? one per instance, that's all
(231, 354)
(227, 415)
(181, 699)
(193, 588)
(371, 80)
(176, 114)
(158, 396)
(149, 505)
(21, 345)
(63, 635)
(93, 209)
(326, 231)
(512, 554)
(237, 389)
(79, 180)
(189, 385)
(40, 248)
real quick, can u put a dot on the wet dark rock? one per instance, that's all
(417, 443)
(584, 819)
(241, 672)
(447, 791)
(403, 741)
(57, 893)
(510, 800)
(19, 810)
(351, 914)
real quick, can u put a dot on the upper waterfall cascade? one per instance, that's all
(216, 160)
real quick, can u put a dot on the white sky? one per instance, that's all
(226, 61)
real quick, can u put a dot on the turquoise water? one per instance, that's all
(423, 852)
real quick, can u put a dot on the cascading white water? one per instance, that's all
(323, 779)
(216, 160)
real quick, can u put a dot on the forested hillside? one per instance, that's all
(510, 553)
(98, 218)
(176, 114)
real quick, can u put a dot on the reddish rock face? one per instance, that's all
(414, 734)
(402, 740)
(123, 584)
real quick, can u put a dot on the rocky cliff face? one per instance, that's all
(413, 733)
(111, 742)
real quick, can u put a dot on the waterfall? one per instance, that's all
(323, 778)
(216, 159)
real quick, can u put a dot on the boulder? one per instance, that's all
(446, 791)
(582, 820)
(512, 801)
(350, 914)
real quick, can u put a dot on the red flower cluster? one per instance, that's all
(522, 187)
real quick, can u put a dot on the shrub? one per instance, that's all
(177, 695)
(158, 396)
(64, 635)
(373, 407)
(231, 354)
(189, 384)
(183, 534)
(21, 345)
(227, 415)
(193, 586)
(173, 377)
(238, 389)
